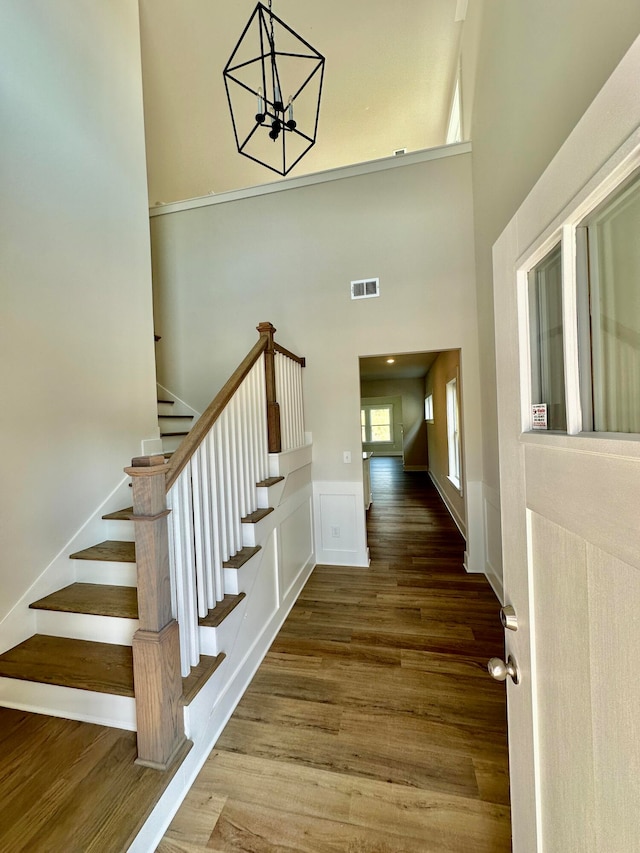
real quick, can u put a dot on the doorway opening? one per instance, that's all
(410, 410)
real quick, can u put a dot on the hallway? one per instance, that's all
(371, 725)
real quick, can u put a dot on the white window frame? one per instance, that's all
(453, 433)
(367, 424)
(428, 408)
(569, 230)
(454, 128)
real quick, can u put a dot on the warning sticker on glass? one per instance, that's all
(539, 416)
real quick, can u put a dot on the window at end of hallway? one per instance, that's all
(377, 424)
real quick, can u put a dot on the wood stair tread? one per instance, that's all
(270, 481)
(258, 515)
(198, 677)
(92, 599)
(222, 609)
(108, 551)
(100, 667)
(119, 515)
(243, 556)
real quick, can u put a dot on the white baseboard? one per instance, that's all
(214, 716)
(496, 583)
(458, 521)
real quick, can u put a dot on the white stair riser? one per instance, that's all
(120, 531)
(238, 580)
(102, 708)
(254, 534)
(232, 581)
(175, 424)
(84, 626)
(106, 572)
(270, 495)
(220, 639)
(171, 443)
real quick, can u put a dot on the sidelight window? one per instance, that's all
(453, 432)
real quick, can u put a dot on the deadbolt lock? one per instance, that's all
(508, 617)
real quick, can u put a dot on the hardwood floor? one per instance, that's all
(372, 725)
(70, 787)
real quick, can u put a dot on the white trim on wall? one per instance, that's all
(381, 165)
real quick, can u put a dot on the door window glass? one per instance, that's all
(610, 325)
(547, 339)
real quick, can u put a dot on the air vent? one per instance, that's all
(365, 289)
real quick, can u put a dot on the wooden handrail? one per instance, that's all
(283, 351)
(204, 423)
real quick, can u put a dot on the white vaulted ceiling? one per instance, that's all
(389, 78)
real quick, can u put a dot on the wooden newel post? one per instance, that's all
(156, 645)
(273, 408)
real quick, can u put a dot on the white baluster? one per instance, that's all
(216, 535)
(207, 496)
(300, 406)
(199, 498)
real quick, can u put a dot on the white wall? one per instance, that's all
(76, 333)
(289, 257)
(537, 67)
(445, 368)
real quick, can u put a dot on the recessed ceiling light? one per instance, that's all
(390, 360)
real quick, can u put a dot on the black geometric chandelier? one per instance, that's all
(274, 83)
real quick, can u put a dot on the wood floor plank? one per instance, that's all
(371, 726)
(372, 723)
(71, 787)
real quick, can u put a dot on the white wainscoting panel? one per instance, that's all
(341, 538)
(296, 545)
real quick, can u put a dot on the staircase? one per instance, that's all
(174, 424)
(80, 663)
(85, 631)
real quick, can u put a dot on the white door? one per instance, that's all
(571, 497)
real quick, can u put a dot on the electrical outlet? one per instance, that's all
(346, 457)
